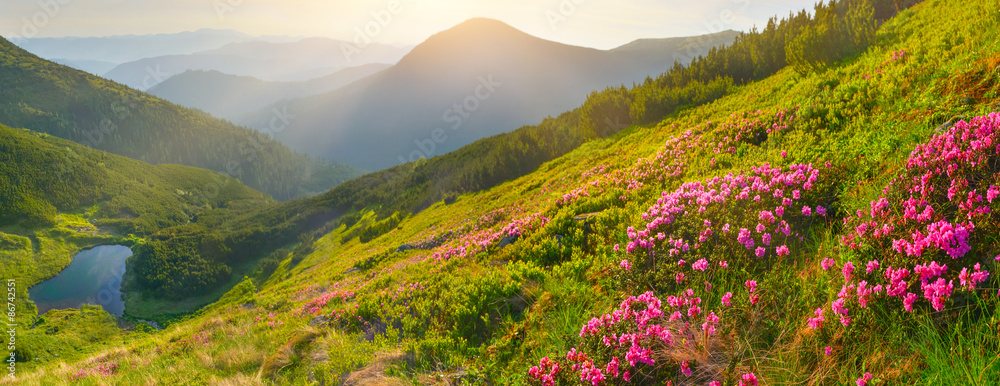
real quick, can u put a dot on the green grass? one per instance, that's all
(494, 314)
(961, 350)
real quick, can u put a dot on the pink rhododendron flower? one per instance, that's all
(864, 379)
(908, 301)
(971, 280)
(848, 269)
(626, 265)
(700, 265)
(612, 367)
(828, 350)
(592, 374)
(782, 250)
(872, 266)
(817, 322)
(686, 369)
(827, 263)
(751, 285)
(727, 299)
(748, 379)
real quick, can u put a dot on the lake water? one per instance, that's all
(94, 277)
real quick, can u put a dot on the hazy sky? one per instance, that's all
(592, 23)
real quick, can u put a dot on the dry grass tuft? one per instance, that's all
(289, 352)
(374, 373)
(709, 355)
(238, 380)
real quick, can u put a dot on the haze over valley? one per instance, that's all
(394, 192)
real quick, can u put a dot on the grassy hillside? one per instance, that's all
(43, 175)
(499, 285)
(57, 100)
(58, 197)
(410, 188)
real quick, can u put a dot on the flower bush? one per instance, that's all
(930, 234)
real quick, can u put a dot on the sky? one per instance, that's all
(591, 23)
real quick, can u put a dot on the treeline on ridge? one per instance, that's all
(808, 42)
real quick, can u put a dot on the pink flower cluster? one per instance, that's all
(864, 379)
(936, 208)
(479, 240)
(632, 334)
(816, 322)
(316, 305)
(105, 369)
(546, 371)
(696, 206)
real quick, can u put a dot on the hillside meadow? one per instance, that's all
(828, 224)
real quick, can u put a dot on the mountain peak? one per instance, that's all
(473, 35)
(479, 28)
(483, 22)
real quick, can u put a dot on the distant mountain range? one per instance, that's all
(140, 61)
(231, 96)
(478, 79)
(284, 62)
(127, 48)
(46, 97)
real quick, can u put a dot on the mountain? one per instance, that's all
(67, 103)
(286, 62)
(126, 48)
(682, 50)
(230, 96)
(478, 79)
(684, 250)
(98, 55)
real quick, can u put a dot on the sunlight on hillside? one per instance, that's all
(811, 202)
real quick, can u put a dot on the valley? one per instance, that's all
(813, 201)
